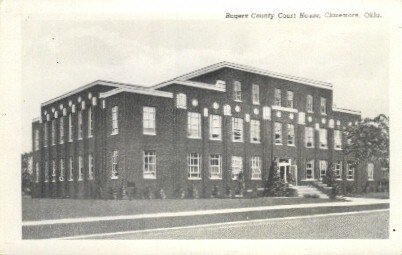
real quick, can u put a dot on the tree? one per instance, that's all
(330, 180)
(275, 186)
(26, 172)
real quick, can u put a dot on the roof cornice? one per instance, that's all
(335, 109)
(144, 91)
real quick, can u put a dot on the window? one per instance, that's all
(255, 131)
(227, 110)
(289, 99)
(255, 168)
(61, 176)
(115, 116)
(79, 125)
(53, 170)
(337, 139)
(350, 171)
(46, 171)
(215, 166)
(45, 135)
(71, 169)
(278, 133)
(61, 129)
(323, 168)
(256, 94)
(115, 166)
(291, 135)
(194, 125)
(90, 166)
(53, 132)
(148, 114)
(149, 163)
(194, 166)
(36, 139)
(237, 129)
(309, 169)
(90, 122)
(370, 171)
(215, 127)
(70, 127)
(237, 167)
(80, 168)
(338, 170)
(237, 91)
(37, 173)
(309, 103)
(323, 105)
(309, 137)
(277, 97)
(323, 139)
(181, 101)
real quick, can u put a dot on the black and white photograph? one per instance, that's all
(251, 125)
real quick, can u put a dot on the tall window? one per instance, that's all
(350, 171)
(194, 166)
(237, 129)
(337, 139)
(323, 168)
(237, 167)
(309, 137)
(90, 122)
(181, 101)
(323, 105)
(255, 131)
(149, 169)
(278, 133)
(90, 166)
(37, 173)
(237, 91)
(370, 171)
(338, 170)
(80, 168)
(309, 103)
(289, 99)
(215, 127)
(309, 169)
(53, 132)
(323, 138)
(36, 139)
(277, 97)
(46, 171)
(80, 124)
(149, 127)
(61, 176)
(45, 135)
(193, 125)
(115, 165)
(256, 94)
(70, 127)
(115, 120)
(61, 129)
(53, 170)
(215, 166)
(255, 168)
(291, 134)
(71, 169)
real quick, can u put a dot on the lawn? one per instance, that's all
(39, 209)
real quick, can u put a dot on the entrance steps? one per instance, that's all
(308, 190)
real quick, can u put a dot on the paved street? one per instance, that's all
(366, 225)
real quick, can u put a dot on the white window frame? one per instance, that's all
(291, 135)
(194, 166)
(194, 125)
(237, 91)
(215, 166)
(80, 168)
(36, 139)
(237, 167)
(310, 168)
(350, 172)
(91, 170)
(79, 125)
(149, 164)
(61, 130)
(309, 136)
(323, 138)
(278, 133)
(215, 127)
(53, 170)
(37, 172)
(90, 122)
(53, 135)
(70, 127)
(237, 130)
(370, 172)
(310, 103)
(115, 120)
(46, 174)
(71, 169)
(277, 97)
(337, 139)
(289, 99)
(62, 168)
(323, 106)
(338, 170)
(115, 165)
(256, 173)
(255, 131)
(256, 94)
(149, 120)
(323, 166)
(181, 101)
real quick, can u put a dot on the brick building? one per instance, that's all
(203, 129)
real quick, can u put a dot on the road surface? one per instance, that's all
(357, 225)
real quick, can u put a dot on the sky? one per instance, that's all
(61, 55)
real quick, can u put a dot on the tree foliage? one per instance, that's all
(26, 172)
(275, 186)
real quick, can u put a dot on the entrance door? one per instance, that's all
(284, 169)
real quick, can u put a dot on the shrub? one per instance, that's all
(275, 186)
(311, 196)
(215, 192)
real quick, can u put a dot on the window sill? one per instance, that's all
(46, 181)
(215, 139)
(79, 139)
(152, 134)
(80, 180)
(90, 136)
(310, 112)
(255, 142)
(285, 109)
(61, 143)
(149, 177)
(310, 147)
(278, 144)
(114, 133)
(71, 180)
(194, 179)
(237, 141)
(256, 179)
(338, 149)
(196, 138)
(370, 180)
(237, 100)
(324, 148)
(215, 178)
(291, 145)
(256, 103)
(350, 180)
(70, 141)
(114, 178)
(309, 180)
